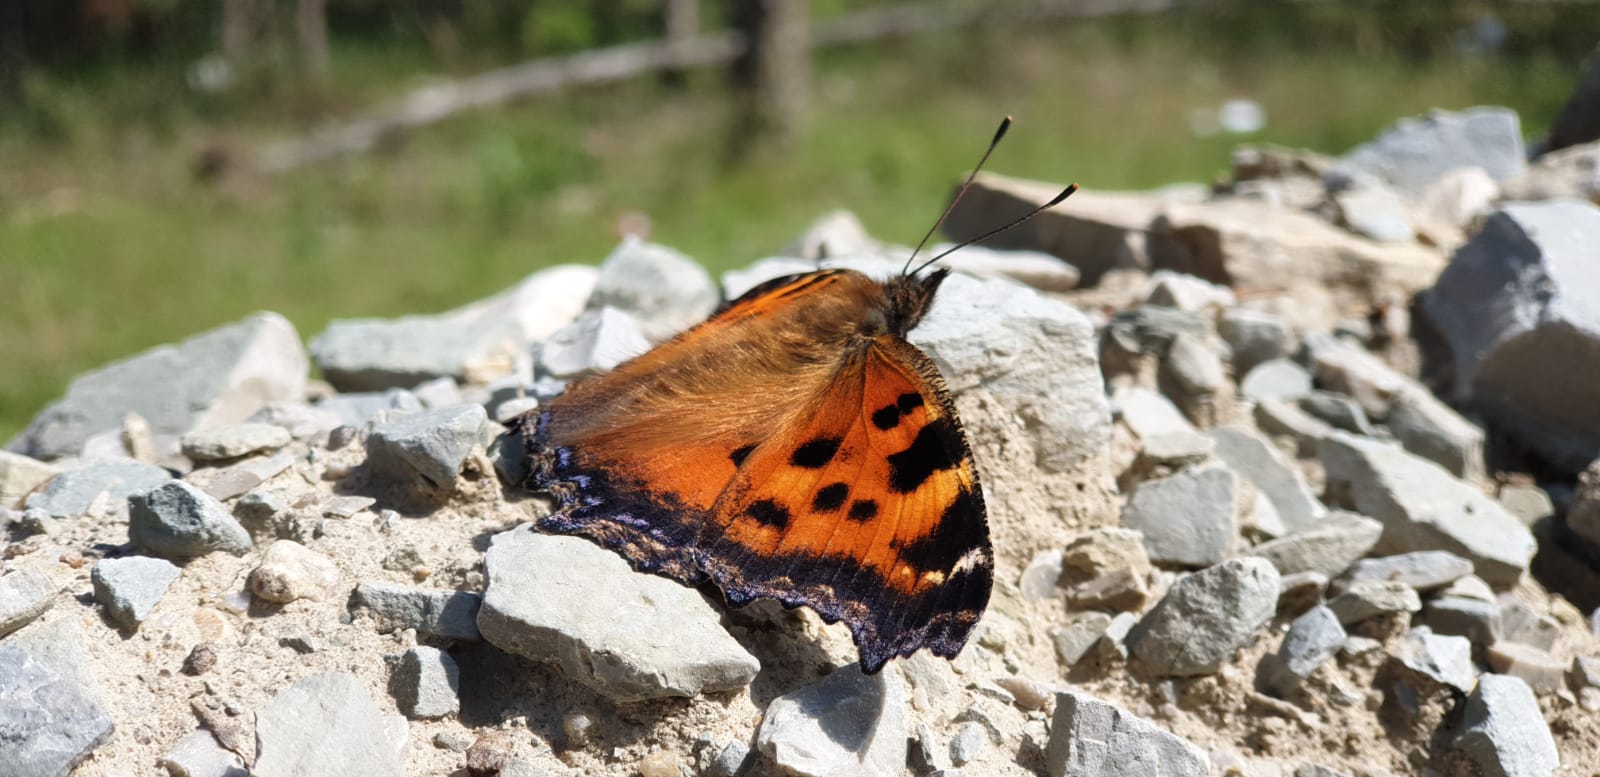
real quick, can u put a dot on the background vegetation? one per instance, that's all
(111, 243)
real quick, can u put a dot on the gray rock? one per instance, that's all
(846, 723)
(553, 598)
(1374, 211)
(1193, 374)
(1041, 579)
(303, 421)
(596, 341)
(1187, 518)
(967, 744)
(439, 392)
(324, 724)
(1367, 599)
(665, 291)
(1503, 731)
(1114, 642)
(1423, 507)
(213, 379)
(1207, 616)
(1279, 378)
(1186, 292)
(1415, 152)
(1517, 309)
(1540, 670)
(48, 722)
(1585, 672)
(1149, 415)
(231, 442)
(1338, 411)
(177, 520)
(199, 755)
(1424, 570)
(25, 594)
(1089, 737)
(1073, 642)
(20, 475)
(450, 614)
(1313, 638)
(1523, 625)
(129, 588)
(1255, 337)
(430, 445)
(232, 481)
(1474, 619)
(1441, 658)
(1132, 338)
(357, 408)
(1430, 429)
(426, 684)
(1470, 587)
(1284, 418)
(730, 760)
(1328, 548)
(95, 486)
(474, 343)
(1277, 478)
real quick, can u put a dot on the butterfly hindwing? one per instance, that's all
(867, 509)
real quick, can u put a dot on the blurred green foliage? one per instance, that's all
(109, 243)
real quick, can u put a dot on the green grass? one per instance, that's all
(108, 245)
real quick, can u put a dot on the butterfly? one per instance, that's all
(794, 446)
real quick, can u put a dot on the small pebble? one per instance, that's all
(454, 741)
(660, 764)
(966, 744)
(488, 755)
(577, 726)
(202, 659)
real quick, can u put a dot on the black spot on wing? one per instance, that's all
(909, 401)
(816, 453)
(768, 513)
(863, 510)
(886, 417)
(830, 497)
(961, 528)
(740, 454)
(938, 447)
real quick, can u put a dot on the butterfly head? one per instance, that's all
(910, 296)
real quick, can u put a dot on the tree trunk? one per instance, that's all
(311, 29)
(774, 75)
(682, 23)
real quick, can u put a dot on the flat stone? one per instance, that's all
(475, 343)
(1521, 624)
(596, 341)
(1206, 616)
(1284, 418)
(730, 760)
(1346, 368)
(968, 743)
(213, 379)
(1277, 478)
(48, 722)
(1540, 670)
(1414, 152)
(20, 475)
(1106, 568)
(1424, 570)
(289, 571)
(1339, 411)
(1376, 212)
(1517, 308)
(25, 594)
(1255, 337)
(129, 588)
(1328, 548)
(302, 421)
(1503, 731)
(1424, 507)
(1530, 504)
(430, 445)
(661, 288)
(1074, 641)
(1434, 431)
(96, 486)
(1149, 415)
(1186, 292)
(1279, 378)
(1186, 518)
(1114, 642)
(1041, 579)
(846, 723)
(177, 520)
(426, 683)
(232, 481)
(1470, 587)
(1193, 374)
(1440, 658)
(357, 408)
(1313, 638)
(450, 614)
(231, 442)
(199, 755)
(439, 392)
(1367, 599)
(1476, 620)
(1090, 737)
(324, 724)
(343, 507)
(628, 635)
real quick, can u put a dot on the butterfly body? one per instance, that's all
(794, 446)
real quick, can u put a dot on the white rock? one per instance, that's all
(663, 290)
(290, 571)
(1090, 738)
(845, 724)
(324, 724)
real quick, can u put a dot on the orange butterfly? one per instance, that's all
(794, 447)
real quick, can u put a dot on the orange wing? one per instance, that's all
(867, 509)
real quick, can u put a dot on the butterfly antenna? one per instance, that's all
(1065, 193)
(998, 134)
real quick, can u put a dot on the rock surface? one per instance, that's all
(1186, 518)
(96, 486)
(290, 571)
(1089, 737)
(48, 723)
(661, 288)
(177, 520)
(1327, 549)
(1414, 153)
(231, 442)
(846, 724)
(129, 588)
(430, 445)
(451, 614)
(630, 636)
(1503, 731)
(324, 724)
(24, 595)
(426, 683)
(1206, 616)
